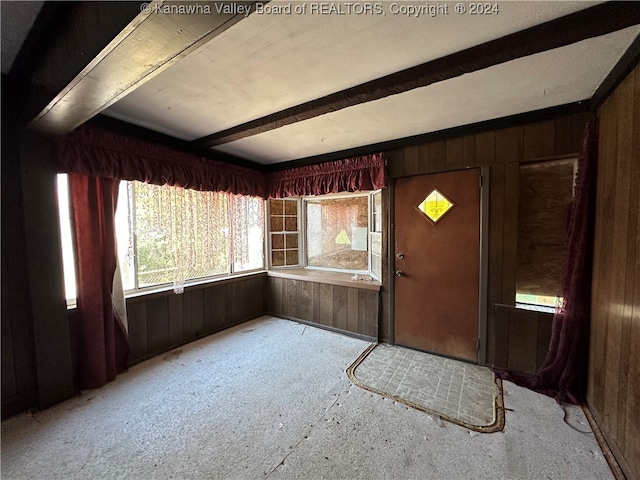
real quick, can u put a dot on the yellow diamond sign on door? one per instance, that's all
(435, 206)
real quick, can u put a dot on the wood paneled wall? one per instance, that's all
(36, 365)
(614, 366)
(343, 308)
(160, 322)
(502, 151)
(19, 375)
(44, 269)
(525, 337)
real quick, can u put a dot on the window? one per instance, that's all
(336, 233)
(546, 192)
(283, 227)
(376, 234)
(170, 235)
(332, 232)
(68, 257)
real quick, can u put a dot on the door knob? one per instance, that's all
(400, 255)
(399, 273)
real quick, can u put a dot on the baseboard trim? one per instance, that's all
(359, 336)
(615, 462)
(19, 403)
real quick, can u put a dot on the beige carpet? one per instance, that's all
(454, 391)
(270, 399)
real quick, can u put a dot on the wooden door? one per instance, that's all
(437, 263)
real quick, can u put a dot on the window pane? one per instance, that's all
(292, 240)
(283, 217)
(180, 234)
(291, 224)
(291, 257)
(290, 207)
(68, 259)
(276, 207)
(152, 230)
(377, 212)
(337, 231)
(124, 235)
(277, 258)
(277, 224)
(277, 241)
(543, 300)
(376, 253)
(247, 217)
(375, 244)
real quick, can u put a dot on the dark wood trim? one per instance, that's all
(588, 23)
(625, 65)
(126, 128)
(18, 404)
(390, 294)
(359, 336)
(483, 287)
(552, 158)
(455, 132)
(607, 451)
(143, 133)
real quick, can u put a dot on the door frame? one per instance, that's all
(484, 261)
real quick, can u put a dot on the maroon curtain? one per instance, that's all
(103, 343)
(563, 374)
(96, 152)
(349, 175)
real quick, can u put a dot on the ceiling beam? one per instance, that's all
(592, 22)
(58, 47)
(454, 132)
(160, 34)
(142, 133)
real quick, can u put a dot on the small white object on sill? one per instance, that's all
(366, 278)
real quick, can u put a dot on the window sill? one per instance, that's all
(165, 289)
(330, 278)
(536, 308)
(316, 276)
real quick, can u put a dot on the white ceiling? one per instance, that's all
(556, 77)
(267, 63)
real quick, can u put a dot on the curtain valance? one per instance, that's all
(348, 175)
(96, 152)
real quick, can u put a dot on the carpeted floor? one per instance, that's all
(458, 392)
(271, 399)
